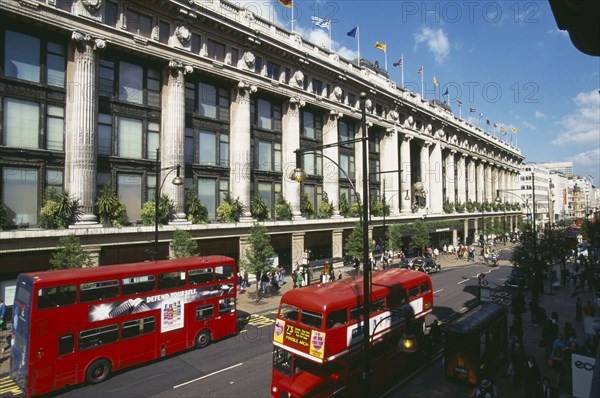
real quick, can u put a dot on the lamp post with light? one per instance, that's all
(176, 181)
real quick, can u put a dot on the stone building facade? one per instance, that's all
(90, 89)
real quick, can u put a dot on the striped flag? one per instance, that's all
(399, 63)
(380, 46)
(459, 102)
(286, 3)
(472, 110)
(435, 81)
(420, 71)
(321, 23)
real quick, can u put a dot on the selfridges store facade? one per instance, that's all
(91, 90)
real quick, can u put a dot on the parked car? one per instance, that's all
(427, 265)
(401, 263)
(518, 278)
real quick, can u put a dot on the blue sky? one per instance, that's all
(505, 58)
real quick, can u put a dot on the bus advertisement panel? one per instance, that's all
(71, 326)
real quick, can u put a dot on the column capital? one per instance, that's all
(176, 66)
(335, 114)
(244, 89)
(82, 39)
(296, 102)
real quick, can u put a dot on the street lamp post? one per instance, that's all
(159, 184)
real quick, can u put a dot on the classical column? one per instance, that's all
(472, 180)
(290, 142)
(173, 135)
(331, 172)
(80, 125)
(465, 230)
(488, 182)
(424, 172)
(450, 176)
(239, 150)
(405, 189)
(389, 162)
(436, 201)
(297, 248)
(461, 179)
(480, 181)
(337, 243)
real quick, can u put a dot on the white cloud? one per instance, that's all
(587, 163)
(530, 126)
(436, 40)
(540, 115)
(583, 126)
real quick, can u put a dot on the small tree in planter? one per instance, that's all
(459, 207)
(283, 208)
(183, 245)
(448, 207)
(166, 209)
(325, 208)
(229, 209)
(260, 253)
(59, 210)
(344, 206)
(306, 207)
(109, 207)
(70, 254)
(470, 206)
(197, 213)
(258, 208)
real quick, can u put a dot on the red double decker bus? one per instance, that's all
(76, 325)
(318, 333)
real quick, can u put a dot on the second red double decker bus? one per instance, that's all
(318, 332)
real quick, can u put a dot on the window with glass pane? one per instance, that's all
(56, 127)
(223, 188)
(207, 145)
(374, 142)
(273, 70)
(129, 140)
(106, 78)
(313, 163)
(111, 13)
(138, 24)
(54, 179)
(152, 140)
(374, 168)
(164, 32)
(189, 145)
(196, 43)
(347, 165)
(207, 100)
(190, 97)
(21, 123)
(235, 56)
(55, 60)
(129, 188)
(309, 191)
(150, 187)
(131, 82)
(264, 190)
(223, 150)
(265, 159)
(345, 131)
(351, 100)
(276, 156)
(21, 56)
(207, 189)
(153, 87)
(104, 134)
(20, 194)
(317, 86)
(258, 65)
(215, 50)
(276, 117)
(224, 104)
(263, 119)
(308, 124)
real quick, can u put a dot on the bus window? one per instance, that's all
(425, 288)
(313, 319)
(66, 344)
(356, 313)
(200, 276)
(226, 305)
(224, 272)
(205, 311)
(396, 298)
(57, 296)
(377, 305)
(289, 312)
(138, 327)
(282, 361)
(337, 318)
(171, 280)
(94, 291)
(98, 336)
(413, 292)
(137, 285)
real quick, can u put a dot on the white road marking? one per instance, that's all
(208, 375)
(437, 291)
(463, 281)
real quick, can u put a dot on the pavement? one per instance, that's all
(561, 300)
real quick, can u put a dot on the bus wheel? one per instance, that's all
(203, 339)
(98, 371)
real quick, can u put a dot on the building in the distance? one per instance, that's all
(90, 90)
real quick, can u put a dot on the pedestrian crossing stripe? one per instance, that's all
(8, 386)
(259, 320)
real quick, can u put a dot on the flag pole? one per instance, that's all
(402, 66)
(292, 16)
(358, 42)
(460, 112)
(422, 74)
(385, 57)
(330, 34)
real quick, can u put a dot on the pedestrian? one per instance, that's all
(549, 335)
(547, 391)
(484, 390)
(534, 309)
(246, 280)
(240, 282)
(518, 304)
(588, 309)
(300, 278)
(295, 278)
(578, 310)
(435, 332)
(517, 360)
(556, 364)
(531, 378)
(2, 315)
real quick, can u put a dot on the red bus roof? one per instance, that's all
(324, 297)
(130, 269)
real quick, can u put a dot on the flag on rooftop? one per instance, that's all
(286, 3)
(399, 63)
(459, 102)
(352, 33)
(435, 81)
(495, 126)
(502, 130)
(321, 23)
(487, 121)
(472, 110)
(420, 71)
(380, 46)
(446, 92)
(514, 129)
(480, 115)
